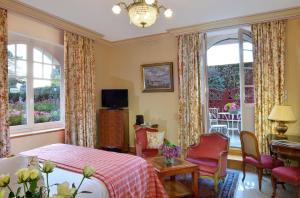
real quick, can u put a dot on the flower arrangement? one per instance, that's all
(169, 151)
(28, 179)
(231, 107)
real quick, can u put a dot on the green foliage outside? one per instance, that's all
(223, 77)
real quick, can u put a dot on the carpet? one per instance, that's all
(206, 186)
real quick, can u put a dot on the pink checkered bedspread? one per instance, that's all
(124, 175)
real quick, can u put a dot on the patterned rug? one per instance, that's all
(206, 186)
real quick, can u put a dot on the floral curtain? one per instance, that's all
(269, 60)
(190, 59)
(4, 127)
(79, 71)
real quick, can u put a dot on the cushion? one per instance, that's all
(207, 167)
(266, 162)
(155, 139)
(150, 152)
(287, 174)
(13, 164)
(141, 136)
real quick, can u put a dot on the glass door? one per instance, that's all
(247, 82)
(229, 84)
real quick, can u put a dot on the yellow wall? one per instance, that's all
(118, 66)
(293, 72)
(123, 70)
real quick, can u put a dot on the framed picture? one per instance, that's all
(158, 77)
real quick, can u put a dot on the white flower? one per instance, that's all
(88, 171)
(63, 191)
(34, 174)
(23, 175)
(48, 167)
(4, 180)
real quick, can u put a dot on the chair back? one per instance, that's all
(210, 146)
(141, 135)
(249, 145)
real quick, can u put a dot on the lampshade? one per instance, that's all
(142, 14)
(282, 113)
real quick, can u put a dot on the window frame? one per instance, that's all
(31, 126)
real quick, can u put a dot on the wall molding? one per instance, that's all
(238, 21)
(21, 8)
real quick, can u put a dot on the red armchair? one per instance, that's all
(211, 156)
(141, 142)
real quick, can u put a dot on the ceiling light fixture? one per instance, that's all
(143, 13)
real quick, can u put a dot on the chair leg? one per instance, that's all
(259, 175)
(274, 186)
(216, 184)
(244, 169)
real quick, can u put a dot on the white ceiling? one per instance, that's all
(96, 15)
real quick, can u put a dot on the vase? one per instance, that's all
(169, 161)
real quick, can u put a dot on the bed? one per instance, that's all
(117, 175)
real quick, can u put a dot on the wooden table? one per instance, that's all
(175, 188)
(284, 150)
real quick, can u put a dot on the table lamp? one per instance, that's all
(282, 114)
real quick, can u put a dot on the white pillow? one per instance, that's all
(12, 164)
(155, 139)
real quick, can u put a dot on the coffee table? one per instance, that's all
(175, 188)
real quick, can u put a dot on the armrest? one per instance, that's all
(139, 149)
(222, 162)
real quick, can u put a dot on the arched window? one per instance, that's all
(35, 81)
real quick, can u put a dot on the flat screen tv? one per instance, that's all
(115, 98)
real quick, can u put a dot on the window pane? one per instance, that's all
(17, 101)
(47, 58)
(21, 68)
(55, 72)
(37, 55)
(37, 70)
(249, 77)
(46, 101)
(55, 62)
(249, 94)
(47, 71)
(11, 51)
(11, 67)
(21, 51)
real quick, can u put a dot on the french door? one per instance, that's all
(228, 85)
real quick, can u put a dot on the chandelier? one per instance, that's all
(143, 13)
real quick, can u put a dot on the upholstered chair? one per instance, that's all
(252, 156)
(286, 174)
(211, 156)
(141, 142)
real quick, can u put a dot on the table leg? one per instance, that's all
(195, 183)
(162, 179)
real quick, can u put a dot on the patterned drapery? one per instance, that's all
(79, 71)
(190, 49)
(4, 127)
(269, 60)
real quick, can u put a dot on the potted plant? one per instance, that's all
(169, 151)
(232, 108)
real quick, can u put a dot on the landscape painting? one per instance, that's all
(158, 77)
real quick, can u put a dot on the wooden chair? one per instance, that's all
(252, 156)
(285, 174)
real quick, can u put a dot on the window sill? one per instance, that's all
(24, 134)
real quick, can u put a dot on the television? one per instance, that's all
(115, 98)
